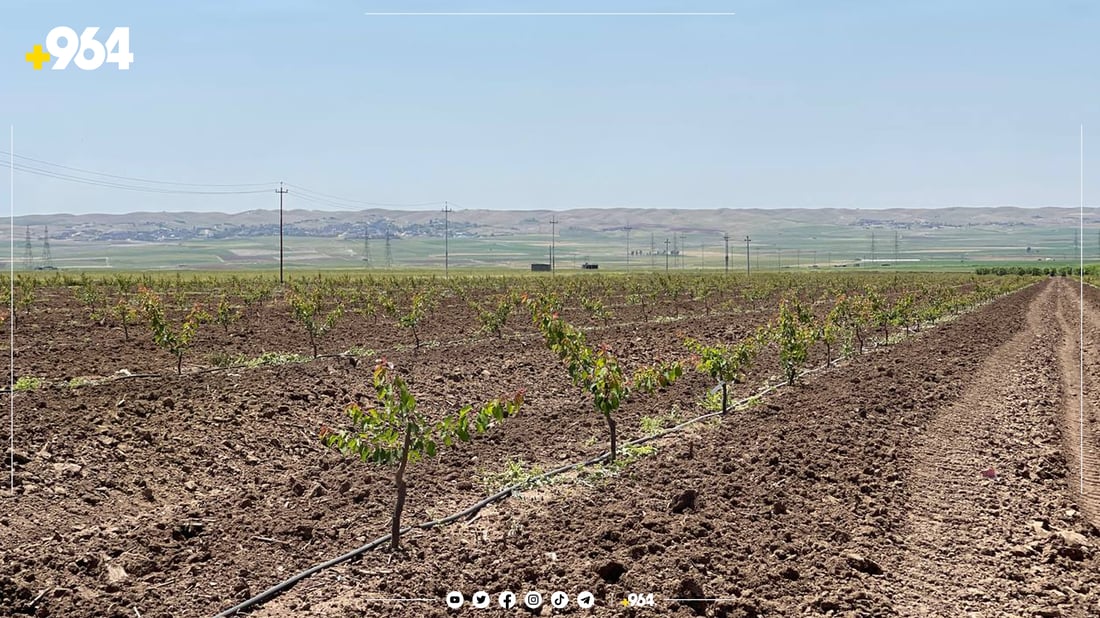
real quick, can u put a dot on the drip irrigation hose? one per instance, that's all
(500, 495)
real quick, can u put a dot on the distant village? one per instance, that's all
(154, 232)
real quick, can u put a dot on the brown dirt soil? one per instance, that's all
(183, 496)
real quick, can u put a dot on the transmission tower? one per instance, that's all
(28, 252)
(47, 258)
(895, 246)
(389, 251)
(366, 244)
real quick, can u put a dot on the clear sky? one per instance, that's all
(869, 104)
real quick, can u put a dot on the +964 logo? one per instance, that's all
(65, 48)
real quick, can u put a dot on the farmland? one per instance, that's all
(171, 461)
(619, 239)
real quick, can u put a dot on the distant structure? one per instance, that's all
(47, 258)
(587, 266)
(389, 251)
(366, 244)
(28, 252)
(540, 268)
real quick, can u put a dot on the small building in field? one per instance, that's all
(588, 266)
(540, 268)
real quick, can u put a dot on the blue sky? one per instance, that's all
(866, 104)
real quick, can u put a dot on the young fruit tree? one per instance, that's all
(226, 313)
(792, 331)
(420, 305)
(495, 316)
(397, 434)
(126, 314)
(598, 371)
(726, 364)
(852, 315)
(175, 339)
(307, 307)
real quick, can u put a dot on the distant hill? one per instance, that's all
(494, 222)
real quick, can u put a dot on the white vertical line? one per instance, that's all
(1081, 306)
(11, 315)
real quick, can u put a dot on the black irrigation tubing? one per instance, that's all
(7, 389)
(471, 510)
(506, 492)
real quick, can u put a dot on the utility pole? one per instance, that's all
(389, 252)
(281, 191)
(446, 240)
(748, 268)
(895, 245)
(628, 228)
(726, 237)
(666, 255)
(553, 228)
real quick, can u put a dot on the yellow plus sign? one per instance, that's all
(625, 602)
(37, 57)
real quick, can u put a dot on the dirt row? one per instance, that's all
(993, 525)
(1083, 421)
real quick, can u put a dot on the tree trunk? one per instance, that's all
(399, 482)
(614, 441)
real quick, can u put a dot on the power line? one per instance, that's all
(136, 179)
(128, 187)
(49, 169)
(336, 198)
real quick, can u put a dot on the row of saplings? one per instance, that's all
(396, 434)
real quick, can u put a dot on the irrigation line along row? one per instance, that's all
(516, 487)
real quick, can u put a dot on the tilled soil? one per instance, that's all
(861, 493)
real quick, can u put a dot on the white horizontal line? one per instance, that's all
(706, 599)
(401, 600)
(711, 600)
(542, 14)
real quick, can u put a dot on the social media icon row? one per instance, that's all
(531, 599)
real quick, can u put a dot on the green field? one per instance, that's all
(790, 247)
